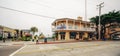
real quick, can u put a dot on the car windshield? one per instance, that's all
(117, 35)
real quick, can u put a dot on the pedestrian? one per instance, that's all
(94, 35)
(81, 35)
(4, 36)
(36, 39)
(90, 35)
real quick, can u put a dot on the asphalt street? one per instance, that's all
(95, 48)
(6, 50)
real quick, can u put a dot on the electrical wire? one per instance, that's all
(45, 5)
(27, 12)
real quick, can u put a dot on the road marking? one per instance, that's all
(17, 50)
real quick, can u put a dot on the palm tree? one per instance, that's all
(33, 30)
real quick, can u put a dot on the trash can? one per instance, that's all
(45, 40)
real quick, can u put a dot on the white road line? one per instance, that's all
(17, 50)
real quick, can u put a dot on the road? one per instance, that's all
(94, 48)
(6, 50)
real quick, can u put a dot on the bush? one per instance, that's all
(26, 38)
(20, 39)
(0, 38)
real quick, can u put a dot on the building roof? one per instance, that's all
(6, 27)
(70, 19)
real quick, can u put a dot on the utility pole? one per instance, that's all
(99, 29)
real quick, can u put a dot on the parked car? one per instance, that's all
(116, 37)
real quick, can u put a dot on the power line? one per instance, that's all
(27, 12)
(45, 5)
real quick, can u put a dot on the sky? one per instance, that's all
(47, 11)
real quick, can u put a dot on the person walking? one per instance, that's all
(36, 39)
(4, 36)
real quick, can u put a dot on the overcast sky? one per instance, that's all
(50, 8)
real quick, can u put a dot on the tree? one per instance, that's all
(95, 20)
(42, 35)
(108, 18)
(54, 36)
(33, 30)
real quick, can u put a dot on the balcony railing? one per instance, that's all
(71, 28)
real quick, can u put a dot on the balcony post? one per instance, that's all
(67, 35)
(59, 37)
(56, 25)
(73, 24)
(80, 25)
(66, 24)
(77, 36)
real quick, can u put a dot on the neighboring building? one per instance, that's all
(67, 28)
(113, 28)
(25, 32)
(9, 31)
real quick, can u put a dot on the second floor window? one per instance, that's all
(76, 27)
(70, 26)
(61, 26)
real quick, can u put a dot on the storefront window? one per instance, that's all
(73, 35)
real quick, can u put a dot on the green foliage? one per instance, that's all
(34, 29)
(54, 35)
(113, 16)
(35, 36)
(42, 35)
(25, 38)
(0, 37)
(108, 18)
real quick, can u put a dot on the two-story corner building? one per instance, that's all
(67, 28)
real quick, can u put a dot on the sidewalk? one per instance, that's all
(68, 41)
(9, 42)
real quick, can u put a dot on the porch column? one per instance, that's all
(80, 25)
(56, 25)
(73, 24)
(77, 35)
(59, 37)
(66, 24)
(85, 35)
(67, 36)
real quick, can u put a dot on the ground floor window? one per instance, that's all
(62, 34)
(81, 35)
(73, 35)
